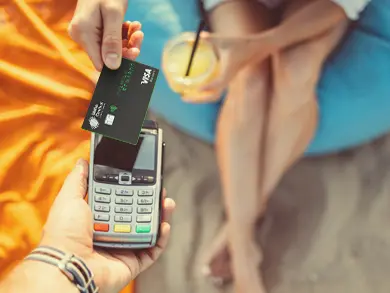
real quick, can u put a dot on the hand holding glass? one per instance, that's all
(217, 59)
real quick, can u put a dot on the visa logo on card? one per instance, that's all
(120, 101)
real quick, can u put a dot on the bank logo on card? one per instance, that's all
(97, 110)
(93, 122)
(96, 114)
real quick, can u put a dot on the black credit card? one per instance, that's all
(120, 101)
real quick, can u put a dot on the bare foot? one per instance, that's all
(248, 280)
(217, 260)
(246, 257)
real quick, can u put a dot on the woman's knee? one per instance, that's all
(255, 79)
(294, 80)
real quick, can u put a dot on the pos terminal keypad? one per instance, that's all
(123, 209)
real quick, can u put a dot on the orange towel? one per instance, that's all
(46, 82)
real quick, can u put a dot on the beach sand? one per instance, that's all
(326, 229)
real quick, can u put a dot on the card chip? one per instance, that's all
(109, 119)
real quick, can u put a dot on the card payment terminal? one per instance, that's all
(125, 189)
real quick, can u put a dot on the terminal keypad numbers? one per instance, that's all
(133, 208)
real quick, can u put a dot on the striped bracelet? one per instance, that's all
(70, 265)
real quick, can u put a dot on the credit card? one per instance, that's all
(120, 101)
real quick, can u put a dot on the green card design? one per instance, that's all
(120, 101)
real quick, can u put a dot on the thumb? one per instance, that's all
(75, 185)
(112, 36)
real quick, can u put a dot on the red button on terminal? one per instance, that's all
(101, 227)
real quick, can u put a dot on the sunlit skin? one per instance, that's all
(69, 228)
(266, 122)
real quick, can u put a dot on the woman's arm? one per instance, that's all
(37, 277)
(312, 20)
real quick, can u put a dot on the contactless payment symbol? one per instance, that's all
(113, 108)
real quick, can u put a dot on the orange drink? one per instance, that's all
(176, 56)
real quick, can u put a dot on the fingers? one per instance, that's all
(129, 28)
(202, 98)
(227, 70)
(147, 258)
(169, 206)
(92, 46)
(125, 29)
(139, 260)
(168, 209)
(112, 35)
(118, 39)
(135, 40)
(162, 241)
(75, 185)
(135, 26)
(212, 91)
(82, 32)
(131, 45)
(131, 53)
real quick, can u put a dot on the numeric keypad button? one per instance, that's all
(145, 192)
(102, 217)
(144, 210)
(103, 190)
(145, 201)
(102, 208)
(124, 210)
(122, 219)
(124, 200)
(102, 198)
(123, 191)
(144, 219)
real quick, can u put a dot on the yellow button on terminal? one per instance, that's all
(122, 228)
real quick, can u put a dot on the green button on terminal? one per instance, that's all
(142, 229)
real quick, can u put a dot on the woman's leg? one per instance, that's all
(238, 135)
(293, 119)
(293, 110)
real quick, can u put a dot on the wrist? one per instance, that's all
(51, 276)
(86, 254)
(37, 277)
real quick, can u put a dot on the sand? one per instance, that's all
(326, 229)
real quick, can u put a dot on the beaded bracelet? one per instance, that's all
(70, 265)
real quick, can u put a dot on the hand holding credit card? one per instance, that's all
(120, 101)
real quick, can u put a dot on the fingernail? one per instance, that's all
(206, 271)
(80, 166)
(112, 60)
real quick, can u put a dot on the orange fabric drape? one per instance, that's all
(46, 82)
